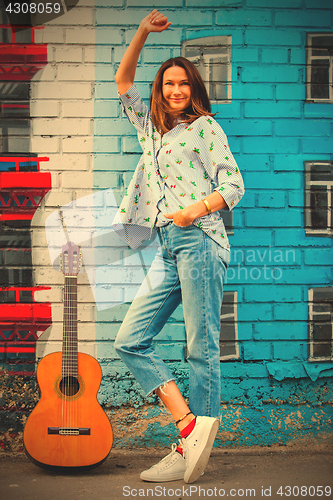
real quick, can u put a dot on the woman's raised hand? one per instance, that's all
(155, 22)
(126, 72)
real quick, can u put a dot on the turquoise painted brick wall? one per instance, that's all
(271, 393)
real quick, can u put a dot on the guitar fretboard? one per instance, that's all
(69, 348)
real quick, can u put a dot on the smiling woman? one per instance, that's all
(176, 88)
(178, 93)
(185, 175)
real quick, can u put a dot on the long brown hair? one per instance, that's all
(163, 117)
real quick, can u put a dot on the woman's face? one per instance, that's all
(176, 88)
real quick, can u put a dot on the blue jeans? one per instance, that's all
(193, 268)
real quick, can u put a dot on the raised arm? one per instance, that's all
(126, 72)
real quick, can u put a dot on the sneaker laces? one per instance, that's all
(174, 447)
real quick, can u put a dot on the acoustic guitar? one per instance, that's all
(68, 427)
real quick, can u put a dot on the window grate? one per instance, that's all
(319, 78)
(321, 324)
(212, 57)
(318, 198)
(229, 348)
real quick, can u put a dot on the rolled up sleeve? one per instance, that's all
(135, 109)
(220, 164)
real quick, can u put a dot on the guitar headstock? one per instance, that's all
(70, 259)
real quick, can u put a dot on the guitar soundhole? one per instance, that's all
(69, 386)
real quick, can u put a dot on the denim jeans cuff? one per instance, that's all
(160, 385)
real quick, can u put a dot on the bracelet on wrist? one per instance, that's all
(207, 205)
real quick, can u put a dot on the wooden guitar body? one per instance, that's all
(68, 427)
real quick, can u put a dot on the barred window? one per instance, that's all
(318, 198)
(229, 348)
(15, 256)
(212, 57)
(319, 67)
(321, 324)
(14, 117)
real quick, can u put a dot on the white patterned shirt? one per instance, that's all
(176, 170)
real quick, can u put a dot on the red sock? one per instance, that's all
(179, 449)
(188, 429)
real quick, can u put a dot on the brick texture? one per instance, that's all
(62, 110)
(78, 123)
(272, 131)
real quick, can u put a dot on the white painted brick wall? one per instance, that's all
(62, 110)
(65, 116)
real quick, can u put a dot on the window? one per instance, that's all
(321, 324)
(212, 57)
(318, 198)
(15, 256)
(319, 67)
(14, 117)
(229, 348)
(228, 220)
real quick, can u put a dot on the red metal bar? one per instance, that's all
(37, 312)
(27, 181)
(17, 216)
(23, 53)
(17, 349)
(15, 106)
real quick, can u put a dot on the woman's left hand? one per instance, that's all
(183, 217)
(186, 216)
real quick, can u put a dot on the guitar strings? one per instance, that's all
(70, 376)
(64, 348)
(69, 370)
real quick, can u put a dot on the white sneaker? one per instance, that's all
(170, 468)
(197, 447)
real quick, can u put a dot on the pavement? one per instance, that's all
(278, 472)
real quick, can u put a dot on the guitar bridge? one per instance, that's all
(69, 431)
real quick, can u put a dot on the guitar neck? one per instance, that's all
(70, 348)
